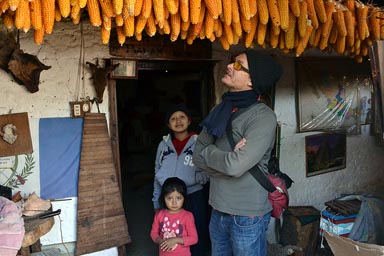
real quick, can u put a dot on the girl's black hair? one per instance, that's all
(170, 185)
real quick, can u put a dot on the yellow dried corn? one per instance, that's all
(219, 28)
(175, 25)
(4, 5)
(219, 7)
(107, 8)
(107, 23)
(172, 5)
(274, 12)
(252, 7)
(196, 28)
(158, 11)
(273, 37)
(302, 19)
(294, 6)
(38, 36)
(381, 25)
(320, 10)
(194, 10)
(184, 10)
(93, 12)
(275, 30)
(227, 11)
(290, 33)
(166, 27)
(312, 14)
(183, 34)
(350, 26)
(361, 19)
(339, 22)
(249, 37)
(129, 26)
(36, 18)
(140, 24)
(191, 36)
(303, 41)
(236, 28)
(228, 33)
(374, 21)
(82, 3)
(245, 24)
(350, 4)
(106, 34)
(325, 35)
(185, 25)
(333, 34)
(64, 7)
(325, 28)
(8, 19)
(138, 36)
(13, 4)
(117, 6)
(224, 42)
(208, 25)
(75, 11)
(212, 8)
(317, 37)
(76, 19)
(150, 26)
(146, 9)
(261, 33)
(235, 12)
(340, 44)
(130, 6)
(120, 35)
(262, 9)
(20, 14)
(202, 33)
(212, 38)
(244, 9)
(57, 14)
(137, 5)
(27, 19)
(119, 20)
(283, 6)
(281, 41)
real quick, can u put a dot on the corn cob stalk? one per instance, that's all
(166, 27)
(245, 9)
(117, 6)
(202, 33)
(75, 12)
(325, 35)
(194, 10)
(320, 10)
(333, 34)
(48, 14)
(261, 33)
(302, 19)
(317, 37)
(184, 10)
(20, 14)
(57, 14)
(218, 28)
(282, 41)
(130, 6)
(158, 11)
(339, 22)
(183, 34)
(262, 9)
(172, 5)
(209, 25)
(150, 26)
(252, 7)
(106, 34)
(340, 44)
(119, 20)
(284, 14)
(212, 8)
(107, 22)
(275, 30)
(238, 31)
(64, 7)
(36, 18)
(224, 42)
(274, 12)
(294, 6)
(274, 36)
(350, 4)
(38, 36)
(146, 9)
(235, 12)
(185, 25)
(312, 14)
(140, 24)
(27, 19)
(228, 33)
(350, 26)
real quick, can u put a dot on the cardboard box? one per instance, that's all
(336, 224)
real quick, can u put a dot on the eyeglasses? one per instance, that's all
(237, 66)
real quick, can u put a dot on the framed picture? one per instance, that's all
(333, 94)
(325, 152)
(127, 69)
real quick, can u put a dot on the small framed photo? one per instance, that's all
(325, 152)
(127, 69)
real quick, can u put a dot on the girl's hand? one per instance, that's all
(169, 244)
(240, 144)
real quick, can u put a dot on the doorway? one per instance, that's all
(141, 107)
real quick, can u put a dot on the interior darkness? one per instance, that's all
(142, 104)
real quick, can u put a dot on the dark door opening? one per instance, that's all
(141, 106)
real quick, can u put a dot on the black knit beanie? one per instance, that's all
(264, 70)
(174, 108)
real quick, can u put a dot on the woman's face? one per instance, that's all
(174, 201)
(179, 122)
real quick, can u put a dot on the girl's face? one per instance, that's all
(179, 122)
(174, 201)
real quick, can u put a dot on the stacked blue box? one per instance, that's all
(336, 224)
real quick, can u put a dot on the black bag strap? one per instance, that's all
(255, 170)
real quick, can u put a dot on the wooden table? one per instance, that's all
(34, 229)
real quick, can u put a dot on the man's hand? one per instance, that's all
(240, 144)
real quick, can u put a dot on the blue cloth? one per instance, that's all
(60, 146)
(217, 119)
(238, 235)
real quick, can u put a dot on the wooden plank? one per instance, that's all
(101, 221)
